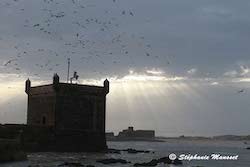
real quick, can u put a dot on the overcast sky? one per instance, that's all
(179, 67)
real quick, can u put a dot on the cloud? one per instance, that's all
(245, 71)
(188, 38)
(232, 73)
(242, 71)
(192, 71)
(216, 11)
(147, 75)
(215, 83)
(241, 80)
(155, 72)
(244, 80)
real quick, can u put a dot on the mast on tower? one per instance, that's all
(68, 70)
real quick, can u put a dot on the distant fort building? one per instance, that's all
(75, 113)
(130, 133)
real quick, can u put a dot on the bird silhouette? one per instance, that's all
(9, 62)
(241, 91)
(36, 25)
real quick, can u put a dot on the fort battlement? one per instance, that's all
(63, 117)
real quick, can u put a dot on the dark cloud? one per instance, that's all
(105, 37)
(204, 41)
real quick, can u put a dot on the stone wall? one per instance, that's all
(10, 150)
(81, 108)
(41, 110)
(39, 139)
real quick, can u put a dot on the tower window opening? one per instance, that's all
(44, 120)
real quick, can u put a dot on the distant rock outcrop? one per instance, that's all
(71, 164)
(113, 161)
(134, 151)
(129, 150)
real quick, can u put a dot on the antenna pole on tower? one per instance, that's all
(68, 70)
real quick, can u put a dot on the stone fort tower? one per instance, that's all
(76, 113)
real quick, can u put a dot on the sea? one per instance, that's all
(158, 150)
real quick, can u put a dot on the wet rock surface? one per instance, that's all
(155, 162)
(134, 151)
(113, 161)
(129, 150)
(113, 151)
(74, 164)
(71, 164)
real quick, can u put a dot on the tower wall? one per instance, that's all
(75, 114)
(41, 106)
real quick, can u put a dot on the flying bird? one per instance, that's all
(9, 62)
(36, 25)
(241, 91)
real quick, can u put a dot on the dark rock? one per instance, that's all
(164, 160)
(113, 151)
(113, 161)
(129, 150)
(248, 148)
(177, 162)
(134, 151)
(71, 164)
(153, 162)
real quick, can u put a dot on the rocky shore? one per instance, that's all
(129, 151)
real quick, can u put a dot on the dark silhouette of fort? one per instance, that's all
(63, 117)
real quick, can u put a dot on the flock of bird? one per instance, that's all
(114, 48)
